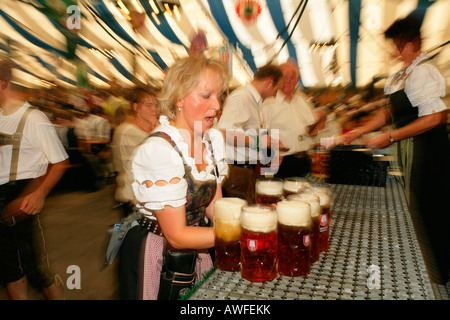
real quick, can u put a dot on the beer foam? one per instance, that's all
(324, 198)
(258, 218)
(294, 213)
(269, 187)
(228, 208)
(321, 189)
(311, 198)
(295, 185)
(227, 230)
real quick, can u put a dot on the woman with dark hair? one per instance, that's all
(144, 111)
(419, 121)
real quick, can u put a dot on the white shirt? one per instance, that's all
(156, 160)
(242, 112)
(92, 127)
(424, 86)
(39, 146)
(290, 119)
(126, 138)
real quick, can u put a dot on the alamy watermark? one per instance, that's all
(252, 146)
(374, 279)
(74, 19)
(74, 280)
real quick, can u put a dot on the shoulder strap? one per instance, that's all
(166, 137)
(211, 150)
(16, 145)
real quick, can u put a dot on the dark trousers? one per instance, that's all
(429, 191)
(22, 250)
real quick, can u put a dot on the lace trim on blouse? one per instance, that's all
(174, 194)
(423, 84)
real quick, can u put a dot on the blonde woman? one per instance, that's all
(177, 176)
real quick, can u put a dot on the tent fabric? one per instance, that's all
(217, 10)
(335, 42)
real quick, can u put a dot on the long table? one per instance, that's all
(374, 254)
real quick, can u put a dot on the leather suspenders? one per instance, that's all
(15, 139)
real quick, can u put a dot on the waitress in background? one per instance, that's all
(419, 116)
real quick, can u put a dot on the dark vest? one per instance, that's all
(199, 193)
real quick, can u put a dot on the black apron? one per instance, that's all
(429, 180)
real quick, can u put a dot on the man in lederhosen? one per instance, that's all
(32, 161)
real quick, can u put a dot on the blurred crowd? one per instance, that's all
(85, 121)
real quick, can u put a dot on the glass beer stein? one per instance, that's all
(259, 243)
(294, 238)
(319, 160)
(324, 193)
(227, 227)
(294, 185)
(268, 190)
(314, 201)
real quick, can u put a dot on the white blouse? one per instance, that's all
(156, 160)
(423, 84)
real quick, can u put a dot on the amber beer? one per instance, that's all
(227, 227)
(294, 185)
(259, 243)
(323, 191)
(319, 162)
(294, 238)
(268, 190)
(324, 219)
(324, 222)
(314, 201)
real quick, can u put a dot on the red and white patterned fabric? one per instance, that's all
(153, 265)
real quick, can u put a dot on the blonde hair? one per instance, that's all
(183, 77)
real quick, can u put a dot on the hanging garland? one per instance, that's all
(248, 10)
(199, 43)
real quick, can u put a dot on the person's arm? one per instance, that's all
(236, 137)
(34, 202)
(157, 169)
(180, 236)
(424, 89)
(46, 141)
(416, 127)
(210, 208)
(379, 120)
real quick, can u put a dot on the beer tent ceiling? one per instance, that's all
(335, 42)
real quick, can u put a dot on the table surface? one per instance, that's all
(374, 254)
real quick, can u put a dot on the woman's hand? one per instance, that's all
(349, 137)
(380, 141)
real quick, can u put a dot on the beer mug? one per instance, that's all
(314, 201)
(324, 193)
(268, 190)
(319, 161)
(294, 238)
(227, 227)
(259, 243)
(294, 185)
